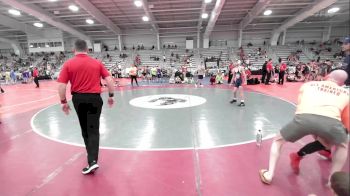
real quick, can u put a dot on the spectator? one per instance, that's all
(269, 69)
(219, 77)
(264, 72)
(346, 50)
(283, 68)
(133, 75)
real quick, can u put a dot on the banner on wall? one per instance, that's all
(189, 44)
(97, 47)
(210, 65)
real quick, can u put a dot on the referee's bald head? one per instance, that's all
(80, 45)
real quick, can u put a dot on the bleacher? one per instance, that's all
(197, 57)
(256, 61)
(284, 51)
(324, 54)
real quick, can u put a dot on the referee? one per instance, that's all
(84, 74)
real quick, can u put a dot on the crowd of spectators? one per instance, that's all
(170, 46)
(14, 68)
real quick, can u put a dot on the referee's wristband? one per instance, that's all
(64, 101)
(111, 94)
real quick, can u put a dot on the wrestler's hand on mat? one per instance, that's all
(65, 108)
(110, 101)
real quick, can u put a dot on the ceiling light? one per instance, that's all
(74, 8)
(267, 12)
(38, 24)
(145, 18)
(333, 10)
(205, 15)
(52, 0)
(138, 3)
(89, 21)
(207, 1)
(14, 12)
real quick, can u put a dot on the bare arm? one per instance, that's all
(62, 87)
(110, 84)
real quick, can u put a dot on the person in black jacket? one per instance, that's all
(346, 50)
(264, 72)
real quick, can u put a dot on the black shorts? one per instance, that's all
(200, 77)
(238, 82)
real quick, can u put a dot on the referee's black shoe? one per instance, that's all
(90, 168)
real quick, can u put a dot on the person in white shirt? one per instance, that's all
(133, 75)
(200, 72)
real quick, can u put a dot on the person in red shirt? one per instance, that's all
(36, 76)
(84, 74)
(283, 68)
(269, 68)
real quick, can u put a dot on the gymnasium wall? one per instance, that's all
(5, 45)
(231, 38)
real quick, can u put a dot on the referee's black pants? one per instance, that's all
(88, 108)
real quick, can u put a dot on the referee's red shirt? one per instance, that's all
(84, 73)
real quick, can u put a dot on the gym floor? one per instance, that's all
(157, 140)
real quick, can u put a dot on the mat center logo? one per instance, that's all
(167, 101)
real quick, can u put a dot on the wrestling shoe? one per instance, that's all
(233, 101)
(325, 154)
(241, 104)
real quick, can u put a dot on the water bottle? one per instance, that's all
(258, 138)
